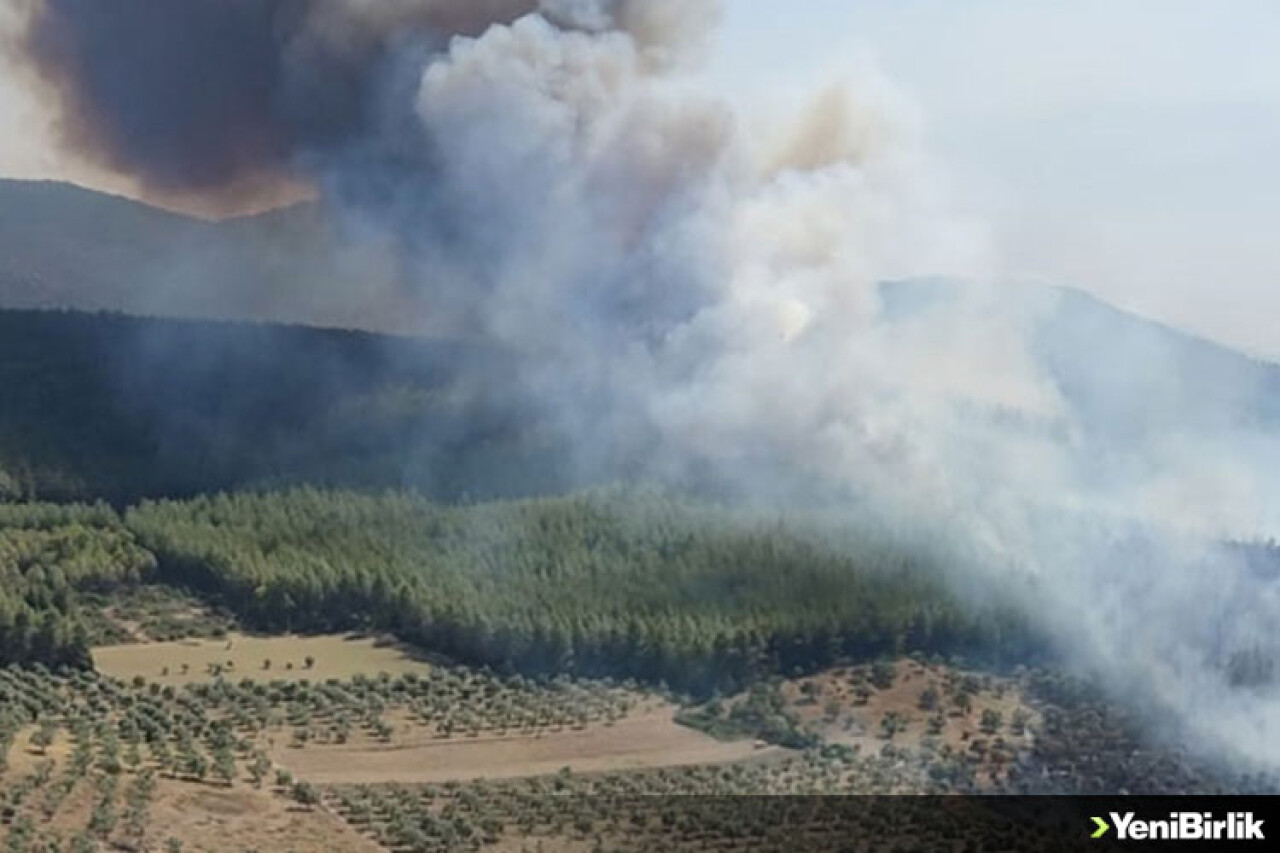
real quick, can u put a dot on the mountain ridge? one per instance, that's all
(61, 245)
(1129, 382)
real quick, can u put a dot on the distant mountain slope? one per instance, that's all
(1121, 373)
(1122, 368)
(1150, 422)
(66, 247)
(61, 246)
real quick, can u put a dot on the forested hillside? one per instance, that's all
(600, 583)
(117, 408)
(107, 407)
(159, 415)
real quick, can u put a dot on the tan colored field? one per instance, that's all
(242, 656)
(650, 739)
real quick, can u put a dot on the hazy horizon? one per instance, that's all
(1122, 149)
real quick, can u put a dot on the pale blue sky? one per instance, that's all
(1128, 147)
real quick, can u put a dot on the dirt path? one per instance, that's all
(646, 740)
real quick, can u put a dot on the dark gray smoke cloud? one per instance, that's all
(223, 98)
(207, 96)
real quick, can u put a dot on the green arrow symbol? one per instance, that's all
(1102, 829)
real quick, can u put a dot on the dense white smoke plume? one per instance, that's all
(721, 280)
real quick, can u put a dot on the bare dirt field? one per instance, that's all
(649, 739)
(260, 658)
(242, 818)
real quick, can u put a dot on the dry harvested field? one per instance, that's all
(221, 820)
(647, 740)
(260, 658)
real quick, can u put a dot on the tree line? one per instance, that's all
(48, 556)
(601, 583)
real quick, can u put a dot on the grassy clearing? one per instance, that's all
(151, 613)
(239, 656)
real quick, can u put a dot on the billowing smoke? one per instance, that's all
(230, 98)
(697, 292)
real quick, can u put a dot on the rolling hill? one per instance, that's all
(62, 246)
